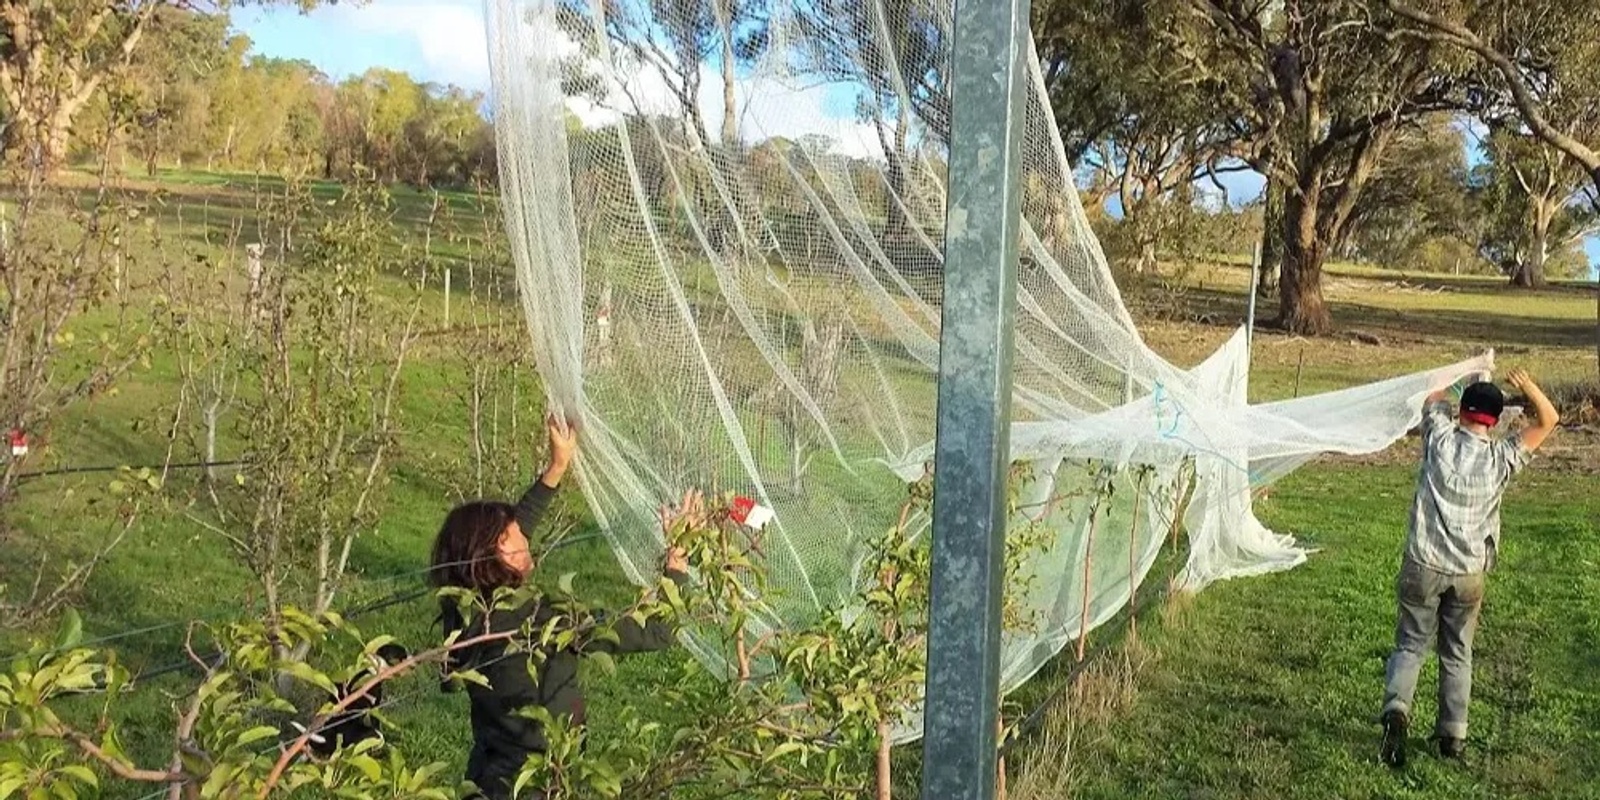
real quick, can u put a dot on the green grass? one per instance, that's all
(1262, 689)
(1269, 687)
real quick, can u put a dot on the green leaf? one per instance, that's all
(218, 780)
(603, 660)
(304, 672)
(71, 632)
(368, 766)
(377, 644)
(670, 589)
(81, 774)
(784, 749)
(255, 735)
(529, 770)
(566, 582)
(472, 676)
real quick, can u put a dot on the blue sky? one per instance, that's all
(438, 40)
(444, 41)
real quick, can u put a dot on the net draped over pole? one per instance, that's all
(728, 221)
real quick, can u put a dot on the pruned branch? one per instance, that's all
(300, 743)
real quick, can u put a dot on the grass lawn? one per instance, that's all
(1269, 687)
(1260, 687)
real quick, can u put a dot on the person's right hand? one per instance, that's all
(677, 560)
(691, 511)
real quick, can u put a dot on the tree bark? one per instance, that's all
(212, 413)
(1529, 273)
(730, 114)
(33, 141)
(1301, 309)
(1271, 239)
(885, 782)
(45, 81)
(1147, 255)
(896, 227)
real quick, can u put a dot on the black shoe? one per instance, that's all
(1451, 747)
(1393, 750)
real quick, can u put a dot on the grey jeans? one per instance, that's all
(1435, 610)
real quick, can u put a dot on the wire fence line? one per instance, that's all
(396, 597)
(1109, 638)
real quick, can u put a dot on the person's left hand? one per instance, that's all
(563, 442)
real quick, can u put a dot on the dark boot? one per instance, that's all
(1393, 750)
(1451, 747)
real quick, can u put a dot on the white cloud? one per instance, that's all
(450, 37)
(766, 107)
(448, 34)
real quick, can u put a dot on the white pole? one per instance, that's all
(1255, 278)
(447, 297)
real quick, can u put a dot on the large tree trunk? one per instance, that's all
(730, 112)
(1530, 270)
(896, 227)
(1271, 239)
(47, 79)
(1147, 255)
(36, 143)
(1301, 309)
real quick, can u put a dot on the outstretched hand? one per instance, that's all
(677, 560)
(563, 441)
(1454, 389)
(691, 513)
(563, 446)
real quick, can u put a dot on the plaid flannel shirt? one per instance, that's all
(1455, 514)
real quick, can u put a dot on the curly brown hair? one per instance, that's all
(466, 553)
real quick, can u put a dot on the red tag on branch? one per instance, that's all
(19, 442)
(750, 513)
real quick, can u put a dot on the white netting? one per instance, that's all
(749, 299)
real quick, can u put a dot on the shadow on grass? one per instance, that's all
(1229, 309)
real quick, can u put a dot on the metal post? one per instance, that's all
(1255, 283)
(971, 460)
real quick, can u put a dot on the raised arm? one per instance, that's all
(654, 634)
(534, 501)
(1436, 408)
(1545, 417)
(633, 637)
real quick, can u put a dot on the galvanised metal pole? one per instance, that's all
(971, 460)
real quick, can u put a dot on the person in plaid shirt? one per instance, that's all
(1450, 547)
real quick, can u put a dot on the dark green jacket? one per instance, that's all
(502, 740)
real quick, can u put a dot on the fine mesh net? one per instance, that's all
(727, 220)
